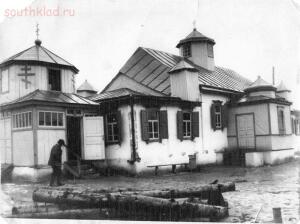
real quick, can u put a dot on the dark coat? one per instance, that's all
(55, 156)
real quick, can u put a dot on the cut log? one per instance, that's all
(65, 214)
(126, 200)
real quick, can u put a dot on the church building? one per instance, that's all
(160, 111)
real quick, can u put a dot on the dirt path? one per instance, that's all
(266, 187)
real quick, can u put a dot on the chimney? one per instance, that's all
(199, 49)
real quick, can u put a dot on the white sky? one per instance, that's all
(251, 35)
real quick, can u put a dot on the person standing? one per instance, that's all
(55, 162)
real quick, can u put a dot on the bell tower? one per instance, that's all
(199, 49)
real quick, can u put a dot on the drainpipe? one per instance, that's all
(133, 146)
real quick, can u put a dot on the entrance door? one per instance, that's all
(245, 131)
(5, 140)
(94, 148)
(74, 136)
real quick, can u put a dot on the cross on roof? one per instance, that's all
(26, 69)
(37, 31)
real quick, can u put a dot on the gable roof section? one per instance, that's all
(38, 54)
(150, 68)
(51, 97)
(116, 93)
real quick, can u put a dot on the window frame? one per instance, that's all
(112, 124)
(1, 81)
(184, 132)
(152, 122)
(186, 50)
(218, 115)
(51, 126)
(279, 110)
(18, 119)
(60, 77)
(210, 50)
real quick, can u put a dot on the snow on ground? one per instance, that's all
(264, 187)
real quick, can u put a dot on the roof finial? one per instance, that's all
(194, 25)
(37, 41)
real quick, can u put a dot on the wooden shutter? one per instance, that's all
(195, 124)
(180, 125)
(213, 116)
(144, 125)
(163, 124)
(224, 113)
(119, 124)
(105, 130)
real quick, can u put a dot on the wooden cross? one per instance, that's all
(26, 69)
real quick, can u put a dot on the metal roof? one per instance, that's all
(182, 65)
(151, 69)
(260, 84)
(195, 36)
(116, 93)
(86, 86)
(38, 54)
(52, 97)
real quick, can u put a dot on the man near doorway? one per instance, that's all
(55, 162)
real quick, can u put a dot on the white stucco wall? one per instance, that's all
(212, 140)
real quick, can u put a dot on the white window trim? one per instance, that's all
(153, 132)
(50, 126)
(21, 128)
(188, 122)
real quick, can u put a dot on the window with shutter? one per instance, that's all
(163, 124)
(180, 125)
(144, 126)
(195, 124)
(113, 127)
(217, 114)
(281, 124)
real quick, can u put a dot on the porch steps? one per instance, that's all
(6, 170)
(86, 168)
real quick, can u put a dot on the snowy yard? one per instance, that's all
(266, 188)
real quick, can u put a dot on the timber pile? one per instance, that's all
(204, 201)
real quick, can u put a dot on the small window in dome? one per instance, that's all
(210, 50)
(186, 50)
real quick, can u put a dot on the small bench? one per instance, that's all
(173, 167)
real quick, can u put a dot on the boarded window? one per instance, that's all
(281, 123)
(187, 125)
(54, 79)
(22, 120)
(113, 127)
(154, 125)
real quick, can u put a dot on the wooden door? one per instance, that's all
(245, 131)
(93, 138)
(73, 137)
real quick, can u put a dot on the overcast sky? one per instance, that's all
(100, 35)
